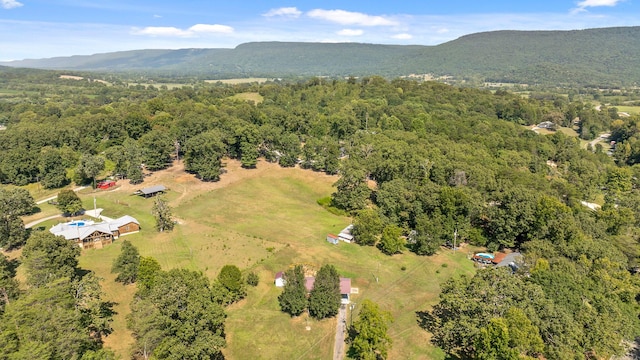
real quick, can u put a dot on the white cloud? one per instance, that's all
(350, 18)
(156, 16)
(176, 32)
(584, 4)
(207, 28)
(350, 32)
(403, 36)
(595, 3)
(442, 31)
(161, 31)
(10, 4)
(284, 11)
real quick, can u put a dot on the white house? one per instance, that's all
(280, 279)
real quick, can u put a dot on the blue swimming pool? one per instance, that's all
(485, 255)
(76, 223)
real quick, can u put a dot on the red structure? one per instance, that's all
(107, 184)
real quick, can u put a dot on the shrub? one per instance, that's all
(253, 279)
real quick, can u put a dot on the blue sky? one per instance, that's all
(48, 28)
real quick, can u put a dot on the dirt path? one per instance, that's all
(341, 330)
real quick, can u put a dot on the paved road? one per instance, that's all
(36, 222)
(53, 197)
(341, 330)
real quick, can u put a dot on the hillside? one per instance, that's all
(602, 56)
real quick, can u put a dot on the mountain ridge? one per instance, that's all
(588, 56)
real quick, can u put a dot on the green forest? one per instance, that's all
(417, 162)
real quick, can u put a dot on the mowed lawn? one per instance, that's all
(267, 220)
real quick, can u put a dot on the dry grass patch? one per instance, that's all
(239, 81)
(249, 96)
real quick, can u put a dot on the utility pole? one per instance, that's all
(455, 237)
(351, 307)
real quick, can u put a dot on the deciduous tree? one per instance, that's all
(391, 241)
(90, 166)
(162, 213)
(177, 318)
(48, 257)
(13, 204)
(293, 299)
(127, 263)
(324, 299)
(367, 226)
(9, 286)
(68, 202)
(368, 334)
(148, 269)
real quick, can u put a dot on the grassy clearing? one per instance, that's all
(239, 81)
(631, 110)
(568, 131)
(249, 96)
(266, 220)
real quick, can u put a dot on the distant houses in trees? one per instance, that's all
(151, 191)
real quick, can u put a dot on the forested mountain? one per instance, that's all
(421, 159)
(603, 56)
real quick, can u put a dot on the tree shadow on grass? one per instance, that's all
(427, 321)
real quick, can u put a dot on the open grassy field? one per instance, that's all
(266, 220)
(631, 110)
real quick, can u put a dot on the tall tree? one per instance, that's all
(53, 173)
(203, 153)
(13, 204)
(428, 238)
(293, 299)
(324, 299)
(368, 334)
(148, 269)
(230, 286)
(9, 286)
(162, 213)
(126, 264)
(68, 202)
(157, 147)
(48, 257)
(90, 166)
(367, 226)
(391, 241)
(177, 318)
(47, 323)
(493, 342)
(352, 191)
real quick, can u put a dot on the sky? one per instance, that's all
(33, 29)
